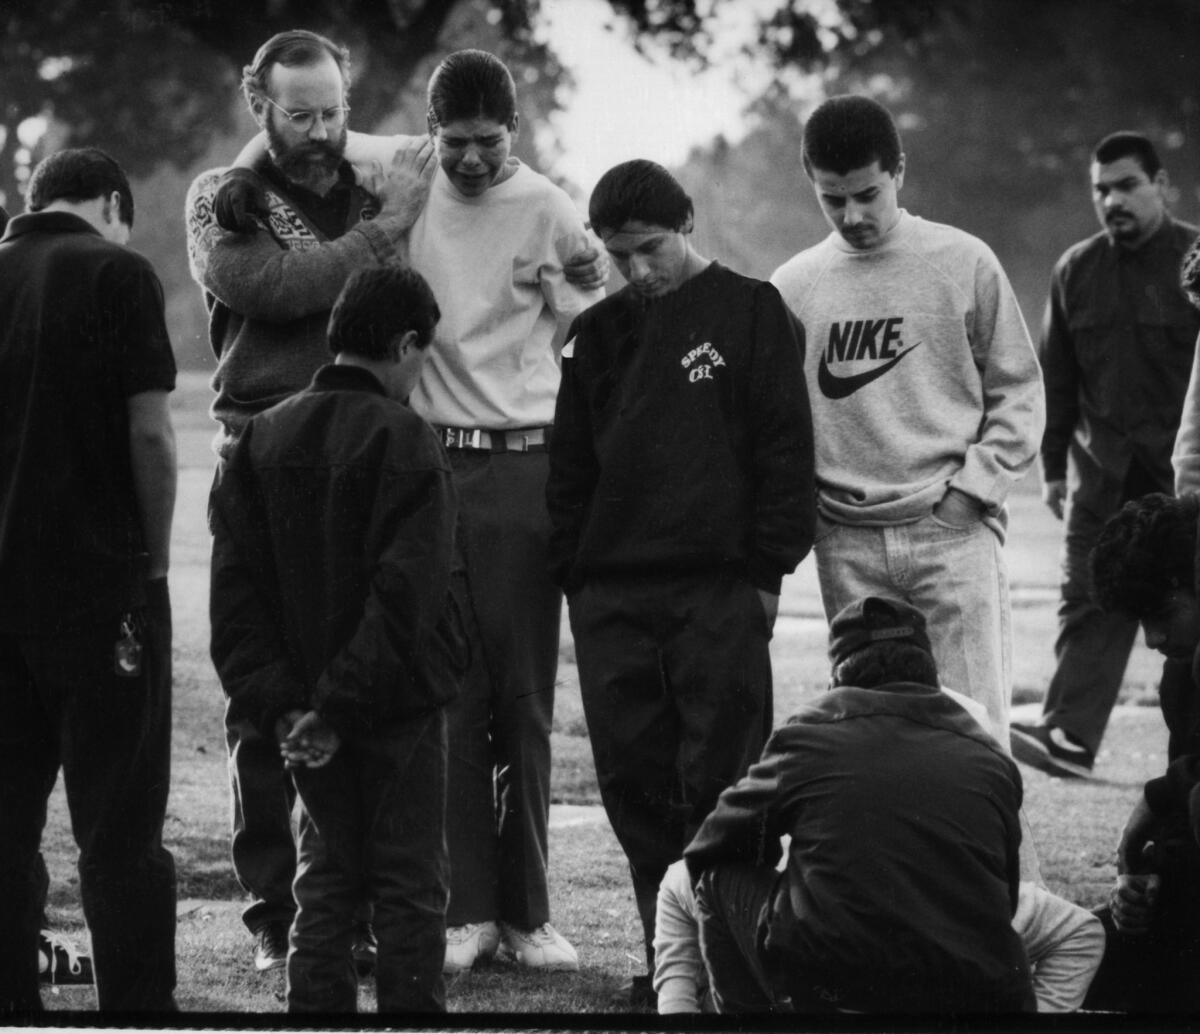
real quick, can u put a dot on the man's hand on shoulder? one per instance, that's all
(402, 188)
(1054, 495)
(587, 269)
(240, 198)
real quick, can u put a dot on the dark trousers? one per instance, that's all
(730, 900)
(263, 848)
(675, 674)
(499, 772)
(262, 796)
(372, 827)
(64, 706)
(1092, 648)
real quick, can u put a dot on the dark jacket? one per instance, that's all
(333, 527)
(1116, 353)
(682, 436)
(902, 871)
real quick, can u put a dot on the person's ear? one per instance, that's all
(514, 126)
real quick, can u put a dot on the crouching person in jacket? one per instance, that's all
(902, 873)
(334, 629)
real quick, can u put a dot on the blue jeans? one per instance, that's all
(372, 827)
(955, 576)
(64, 705)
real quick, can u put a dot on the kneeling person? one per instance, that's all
(902, 873)
(680, 493)
(333, 632)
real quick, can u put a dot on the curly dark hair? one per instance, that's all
(1146, 550)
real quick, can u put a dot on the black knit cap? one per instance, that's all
(874, 619)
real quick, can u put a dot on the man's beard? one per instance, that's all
(311, 163)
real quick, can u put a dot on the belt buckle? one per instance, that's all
(463, 438)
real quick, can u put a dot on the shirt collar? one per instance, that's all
(344, 376)
(47, 222)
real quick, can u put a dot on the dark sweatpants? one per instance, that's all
(372, 827)
(675, 674)
(65, 706)
(499, 771)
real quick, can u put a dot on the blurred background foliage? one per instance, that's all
(999, 103)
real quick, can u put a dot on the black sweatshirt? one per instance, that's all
(682, 437)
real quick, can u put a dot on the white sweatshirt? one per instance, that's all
(920, 371)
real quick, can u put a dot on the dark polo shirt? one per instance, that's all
(81, 330)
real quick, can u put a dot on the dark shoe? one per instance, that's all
(639, 994)
(1051, 749)
(365, 950)
(60, 962)
(272, 948)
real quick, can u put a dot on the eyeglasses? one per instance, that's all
(303, 121)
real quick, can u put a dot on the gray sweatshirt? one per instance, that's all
(920, 371)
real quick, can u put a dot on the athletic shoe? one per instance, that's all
(540, 948)
(365, 950)
(60, 962)
(466, 945)
(1051, 749)
(272, 948)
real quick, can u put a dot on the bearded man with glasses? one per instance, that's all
(269, 295)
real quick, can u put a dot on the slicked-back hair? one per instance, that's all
(296, 48)
(641, 190)
(376, 305)
(471, 84)
(1145, 551)
(1127, 144)
(885, 662)
(850, 132)
(79, 174)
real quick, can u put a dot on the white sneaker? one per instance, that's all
(541, 948)
(465, 945)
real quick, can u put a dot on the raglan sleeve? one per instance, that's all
(783, 465)
(1014, 402)
(566, 237)
(258, 275)
(574, 466)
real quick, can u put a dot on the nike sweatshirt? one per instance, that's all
(920, 372)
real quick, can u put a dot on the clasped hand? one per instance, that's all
(306, 740)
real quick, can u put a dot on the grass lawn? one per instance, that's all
(1075, 823)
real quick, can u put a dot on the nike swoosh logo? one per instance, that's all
(834, 387)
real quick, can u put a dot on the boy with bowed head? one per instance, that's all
(336, 636)
(681, 493)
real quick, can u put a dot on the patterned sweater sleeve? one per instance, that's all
(282, 271)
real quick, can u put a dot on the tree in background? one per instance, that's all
(999, 105)
(999, 102)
